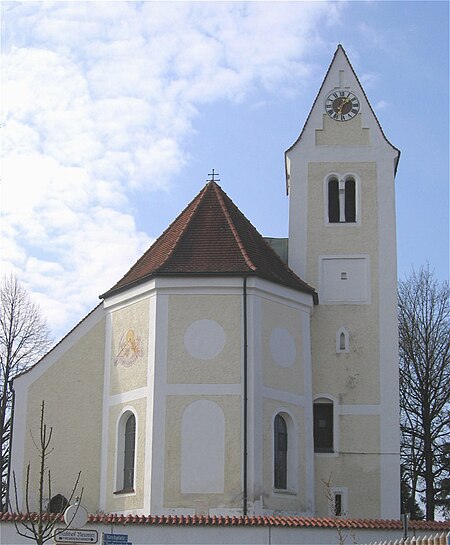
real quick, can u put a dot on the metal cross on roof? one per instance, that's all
(213, 175)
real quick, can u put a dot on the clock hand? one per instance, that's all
(344, 101)
(341, 106)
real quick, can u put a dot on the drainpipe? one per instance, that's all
(10, 449)
(244, 504)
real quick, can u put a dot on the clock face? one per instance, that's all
(342, 105)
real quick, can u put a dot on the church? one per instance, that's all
(231, 374)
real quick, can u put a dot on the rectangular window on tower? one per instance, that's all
(337, 504)
(323, 427)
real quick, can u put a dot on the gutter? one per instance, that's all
(8, 478)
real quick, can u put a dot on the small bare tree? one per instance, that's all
(342, 535)
(42, 525)
(24, 338)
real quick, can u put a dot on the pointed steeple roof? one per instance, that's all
(340, 51)
(211, 237)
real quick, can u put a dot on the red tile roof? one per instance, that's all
(265, 520)
(211, 237)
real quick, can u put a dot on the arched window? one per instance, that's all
(342, 340)
(128, 453)
(350, 200)
(280, 452)
(341, 200)
(333, 200)
(323, 422)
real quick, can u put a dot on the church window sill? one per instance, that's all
(124, 491)
(284, 492)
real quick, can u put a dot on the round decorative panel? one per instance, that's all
(282, 347)
(204, 339)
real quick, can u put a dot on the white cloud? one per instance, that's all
(381, 105)
(369, 79)
(100, 98)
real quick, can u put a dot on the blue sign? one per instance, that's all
(115, 539)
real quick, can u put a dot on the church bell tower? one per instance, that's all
(342, 241)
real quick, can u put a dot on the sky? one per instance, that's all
(114, 114)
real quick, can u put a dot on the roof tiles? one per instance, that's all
(211, 236)
(263, 520)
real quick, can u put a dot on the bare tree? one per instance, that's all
(42, 525)
(424, 345)
(24, 338)
(337, 516)
(443, 496)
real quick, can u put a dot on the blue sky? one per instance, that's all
(114, 113)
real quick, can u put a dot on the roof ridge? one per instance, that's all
(370, 106)
(317, 97)
(61, 340)
(219, 192)
(158, 239)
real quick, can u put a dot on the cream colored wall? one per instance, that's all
(184, 310)
(293, 501)
(232, 496)
(357, 467)
(129, 347)
(72, 389)
(122, 502)
(364, 381)
(276, 315)
(341, 238)
(352, 377)
(348, 133)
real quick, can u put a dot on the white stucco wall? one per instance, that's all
(141, 534)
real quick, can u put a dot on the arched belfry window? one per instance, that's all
(280, 452)
(341, 200)
(350, 200)
(128, 454)
(333, 200)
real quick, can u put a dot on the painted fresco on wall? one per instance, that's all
(130, 349)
